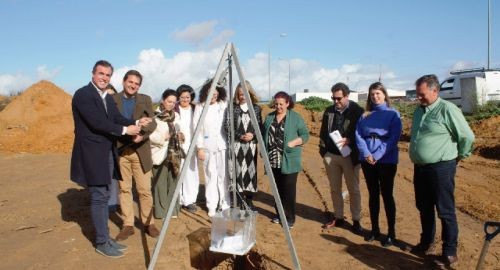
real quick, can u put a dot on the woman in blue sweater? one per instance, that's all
(377, 136)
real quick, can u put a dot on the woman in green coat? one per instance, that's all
(284, 134)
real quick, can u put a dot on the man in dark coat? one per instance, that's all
(135, 158)
(342, 116)
(94, 159)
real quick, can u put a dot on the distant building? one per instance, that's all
(324, 95)
(411, 94)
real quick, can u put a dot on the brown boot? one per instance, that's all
(152, 231)
(125, 233)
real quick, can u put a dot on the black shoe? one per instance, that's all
(372, 237)
(356, 227)
(389, 241)
(276, 220)
(190, 208)
(422, 248)
(290, 224)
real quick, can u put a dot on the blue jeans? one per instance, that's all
(99, 196)
(434, 188)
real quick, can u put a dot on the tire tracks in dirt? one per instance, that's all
(313, 184)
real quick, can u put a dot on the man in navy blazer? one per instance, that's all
(98, 123)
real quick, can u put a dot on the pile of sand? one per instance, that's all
(4, 101)
(487, 132)
(37, 121)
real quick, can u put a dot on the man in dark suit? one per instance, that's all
(94, 159)
(135, 158)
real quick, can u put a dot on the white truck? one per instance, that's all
(471, 87)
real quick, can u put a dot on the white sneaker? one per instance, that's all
(211, 212)
(225, 206)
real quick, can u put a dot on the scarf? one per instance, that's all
(175, 153)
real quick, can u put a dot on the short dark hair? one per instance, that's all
(286, 97)
(431, 80)
(341, 87)
(133, 73)
(167, 93)
(204, 91)
(186, 88)
(112, 88)
(103, 63)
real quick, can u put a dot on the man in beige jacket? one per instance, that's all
(135, 158)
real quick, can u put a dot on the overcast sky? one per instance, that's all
(181, 42)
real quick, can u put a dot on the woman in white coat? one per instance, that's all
(166, 162)
(211, 146)
(190, 185)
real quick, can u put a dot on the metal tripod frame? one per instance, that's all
(229, 54)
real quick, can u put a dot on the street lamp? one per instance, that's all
(289, 77)
(269, 62)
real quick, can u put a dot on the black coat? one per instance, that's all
(352, 115)
(95, 134)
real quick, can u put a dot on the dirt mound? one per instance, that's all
(487, 133)
(37, 121)
(4, 101)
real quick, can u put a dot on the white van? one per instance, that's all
(472, 87)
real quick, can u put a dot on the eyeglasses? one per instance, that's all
(337, 98)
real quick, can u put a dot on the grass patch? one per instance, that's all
(315, 104)
(488, 110)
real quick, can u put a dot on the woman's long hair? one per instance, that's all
(204, 91)
(251, 92)
(376, 86)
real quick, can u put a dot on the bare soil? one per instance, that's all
(45, 223)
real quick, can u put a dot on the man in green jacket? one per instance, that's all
(440, 138)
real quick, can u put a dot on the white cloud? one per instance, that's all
(221, 38)
(204, 35)
(161, 71)
(463, 65)
(196, 33)
(45, 74)
(13, 83)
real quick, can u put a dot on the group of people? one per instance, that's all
(121, 142)
(440, 138)
(121, 137)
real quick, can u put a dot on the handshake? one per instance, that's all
(136, 129)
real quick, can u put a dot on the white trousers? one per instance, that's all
(216, 189)
(191, 183)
